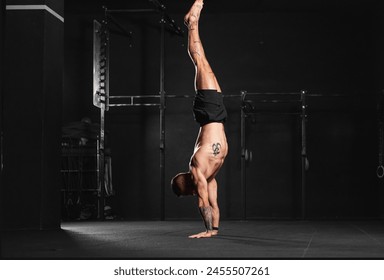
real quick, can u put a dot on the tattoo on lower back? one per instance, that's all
(216, 149)
(206, 214)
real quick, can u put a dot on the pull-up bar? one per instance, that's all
(298, 98)
(101, 96)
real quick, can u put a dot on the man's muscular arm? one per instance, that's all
(204, 206)
(206, 214)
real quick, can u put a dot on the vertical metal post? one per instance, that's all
(243, 160)
(103, 108)
(101, 165)
(162, 120)
(2, 37)
(303, 154)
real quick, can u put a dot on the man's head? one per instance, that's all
(182, 184)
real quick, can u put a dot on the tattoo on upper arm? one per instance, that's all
(216, 149)
(206, 213)
(195, 52)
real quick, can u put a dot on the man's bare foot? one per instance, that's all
(215, 232)
(192, 17)
(205, 234)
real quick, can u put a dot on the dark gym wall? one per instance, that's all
(321, 50)
(32, 116)
(77, 67)
(2, 31)
(378, 19)
(379, 66)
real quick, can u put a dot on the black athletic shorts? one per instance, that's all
(208, 107)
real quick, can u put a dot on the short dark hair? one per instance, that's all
(181, 183)
(176, 189)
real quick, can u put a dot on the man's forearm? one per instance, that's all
(206, 214)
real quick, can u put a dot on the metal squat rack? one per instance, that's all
(248, 108)
(101, 95)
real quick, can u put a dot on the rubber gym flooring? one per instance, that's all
(169, 239)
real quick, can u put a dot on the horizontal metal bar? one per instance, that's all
(157, 96)
(130, 105)
(273, 113)
(133, 96)
(79, 190)
(188, 95)
(327, 95)
(150, 96)
(132, 11)
(77, 171)
(180, 96)
(227, 96)
(276, 101)
(272, 93)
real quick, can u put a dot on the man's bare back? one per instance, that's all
(211, 148)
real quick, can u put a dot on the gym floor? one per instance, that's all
(168, 239)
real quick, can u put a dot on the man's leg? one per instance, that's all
(205, 78)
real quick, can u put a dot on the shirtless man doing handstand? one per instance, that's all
(211, 145)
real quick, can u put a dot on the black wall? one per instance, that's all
(324, 51)
(379, 19)
(32, 103)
